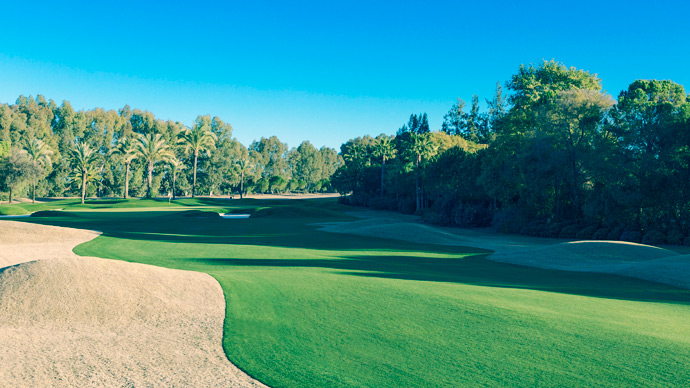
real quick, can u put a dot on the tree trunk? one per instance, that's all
(126, 180)
(150, 180)
(241, 184)
(416, 173)
(196, 155)
(83, 186)
(383, 170)
(33, 194)
(10, 194)
(173, 186)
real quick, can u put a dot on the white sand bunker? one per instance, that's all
(89, 322)
(613, 257)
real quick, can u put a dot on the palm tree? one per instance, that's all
(195, 140)
(152, 148)
(243, 165)
(422, 147)
(128, 150)
(354, 159)
(83, 158)
(385, 150)
(38, 154)
(175, 166)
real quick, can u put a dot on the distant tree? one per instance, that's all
(14, 172)
(128, 150)
(152, 149)
(198, 139)
(453, 121)
(421, 148)
(418, 124)
(84, 160)
(384, 150)
(38, 154)
(175, 166)
(244, 165)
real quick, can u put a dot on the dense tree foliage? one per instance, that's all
(556, 157)
(51, 150)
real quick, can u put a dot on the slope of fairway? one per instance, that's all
(307, 308)
(87, 322)
(612, 257)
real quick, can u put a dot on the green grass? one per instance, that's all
(313, 309)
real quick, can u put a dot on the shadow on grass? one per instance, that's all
(477, 270)
(290, 232)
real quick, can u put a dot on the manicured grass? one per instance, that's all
(313, 309)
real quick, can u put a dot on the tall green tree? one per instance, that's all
(176, 165)
(152, 149)
(84, 159)
(38, 153)
(198, 139)
(422, 148)
(127, 149)
(384, 149)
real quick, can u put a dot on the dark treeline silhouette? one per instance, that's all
(51, 150)
(555, 157)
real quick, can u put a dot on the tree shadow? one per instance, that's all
(478, 271)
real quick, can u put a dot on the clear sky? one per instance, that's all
(323, 71)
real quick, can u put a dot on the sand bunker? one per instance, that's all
(70, 321)
(613, 257)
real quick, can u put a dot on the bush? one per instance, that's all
(551, 230)
(615, 234)
(435, 218)
(601, 234)
(533, 229)
(675, 237)
(406, 206)
(654, 237)
(686, 241)
(631, 236)
(471, 215)
(569, 231)
(382, 203)
(509, 221)
(587, 233)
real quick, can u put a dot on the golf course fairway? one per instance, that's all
(308, 308)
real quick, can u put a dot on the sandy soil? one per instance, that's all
(614, 257)
(76, 321)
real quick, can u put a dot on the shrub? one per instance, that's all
(406, 206)
(508, 221)
(601, 234)
(471, 215)
(631, 236)
(533, 229)
(615, 234)
(569, 231)
(654, 237)
(587, 232)
(382, 203)
(675, 237)
(432, 217)
(551, 230)
(686, 241)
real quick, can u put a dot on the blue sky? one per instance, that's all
(323, 71)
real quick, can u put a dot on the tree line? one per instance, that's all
(48, 150)
(555, 156)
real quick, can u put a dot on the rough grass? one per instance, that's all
(311, 308)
